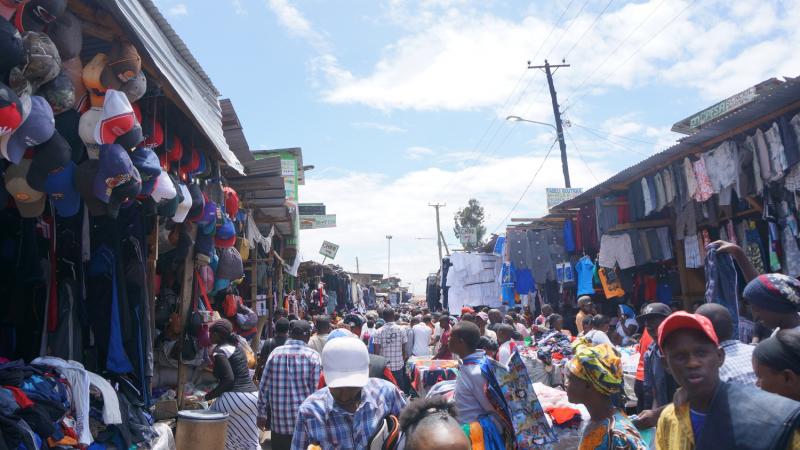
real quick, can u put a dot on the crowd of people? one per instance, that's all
(341, 382)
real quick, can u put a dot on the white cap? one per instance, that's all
(165, 189)
(88, 123)
(184, 206)
(345, 363)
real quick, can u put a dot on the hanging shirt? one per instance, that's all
(585, 267)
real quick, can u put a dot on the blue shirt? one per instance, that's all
(321, 421)
(698, 420)
(569, 236)
(585, 269)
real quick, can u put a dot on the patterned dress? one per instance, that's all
(616, 433)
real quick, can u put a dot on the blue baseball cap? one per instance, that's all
(117, 180)
(209, 214)
(226, 230)
(61, 187)
(146, 162)
(36, 129)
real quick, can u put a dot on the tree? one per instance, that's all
(471, 216)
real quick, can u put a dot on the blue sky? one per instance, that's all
(399, 103)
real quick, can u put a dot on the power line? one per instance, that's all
(638, 49)
(615, 135)
(566, 29)
(500, 224)
(580, 155)
(617, 143)
(587, 30)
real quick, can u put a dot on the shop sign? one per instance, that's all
(329, 250)
(312, 209)
(288, 167)
(468, 236)
(317, 221)
(730, 104)
(560, 195)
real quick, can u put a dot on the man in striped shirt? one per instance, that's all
(290, 376)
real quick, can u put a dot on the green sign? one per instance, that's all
(310, 222)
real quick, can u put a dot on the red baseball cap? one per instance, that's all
(681, 320)
(467, 310)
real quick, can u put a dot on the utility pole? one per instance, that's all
(438, 231)
(358, 269)
(557, 114)
(389, 261)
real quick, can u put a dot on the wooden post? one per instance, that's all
(152, 258)
(255, 344)
(185, 303)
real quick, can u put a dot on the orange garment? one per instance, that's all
(476, 436)
(563, 415)
(611, 289)
(644, 343)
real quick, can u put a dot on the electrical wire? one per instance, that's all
(587, 30)
(519, 200)
(638, 49)
(617, 143)
(609, 134)
(575, 17)
(580, 155)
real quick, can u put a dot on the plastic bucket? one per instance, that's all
(201, 430)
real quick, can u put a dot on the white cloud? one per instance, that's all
(417, 153)
(369, 206)
(179, 9)
(238, 7)
(457, 55)
(386, 128)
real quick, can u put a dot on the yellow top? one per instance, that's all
(674, 430)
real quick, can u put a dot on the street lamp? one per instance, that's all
(559, 136)
(389, 262)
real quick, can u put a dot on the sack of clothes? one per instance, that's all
(56, 403)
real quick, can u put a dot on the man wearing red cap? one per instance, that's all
(717, 414)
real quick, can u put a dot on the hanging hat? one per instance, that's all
(174, 148)
(11, 114)
(73, 68)
(86, 127)
(135, 88)
(42, 62)
(124, 63)
(91, 78)
(117, 120)
(50, 156)
(37, 15)
(84, 182)
(117, 180)
(231, 201)
(67, 34)
(59, 93)
(184, 205)
(230, 265)
(154, 132)
(36, 129)
(60, 185)
(169, 207)
(12, 52)
(164, 190)
(30, 202)
(198, 203)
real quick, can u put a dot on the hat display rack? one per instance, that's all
(85, 245)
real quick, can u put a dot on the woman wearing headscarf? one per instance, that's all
(235, 394)
(595, 374)
(774, 299)
(776, 362)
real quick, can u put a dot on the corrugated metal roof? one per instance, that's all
(776, 95)
(234, 133)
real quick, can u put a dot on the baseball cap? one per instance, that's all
(30, 202)
(184, 206)
(209, 213)
(654, 309)
(164, 189)
(116, 120)
(86, 127)
(117, 179)
(198, 203)
(681, 320)
(43, 62)
(36, 129)
(67, 35)
(59, 93)
(345, 363)
(48, 157)
(231, 201)
(153, 131)
(204, 244)
(230, 265)
(296, 326)
(10, 110)
(38, 14)
(91, 78)
(146, 162)
(484, 316)
(169, 207)
(123, 64)
(84, 182)
(135, 88)
(12, 52)
(174, 148)
(67, 124)
(61, 187)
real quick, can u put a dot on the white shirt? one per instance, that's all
(470, 393)
(490, 334)
(626, 340)
(597, 337)
(504, 353)
(422, 337)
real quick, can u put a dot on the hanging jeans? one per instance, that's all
(721, 284)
